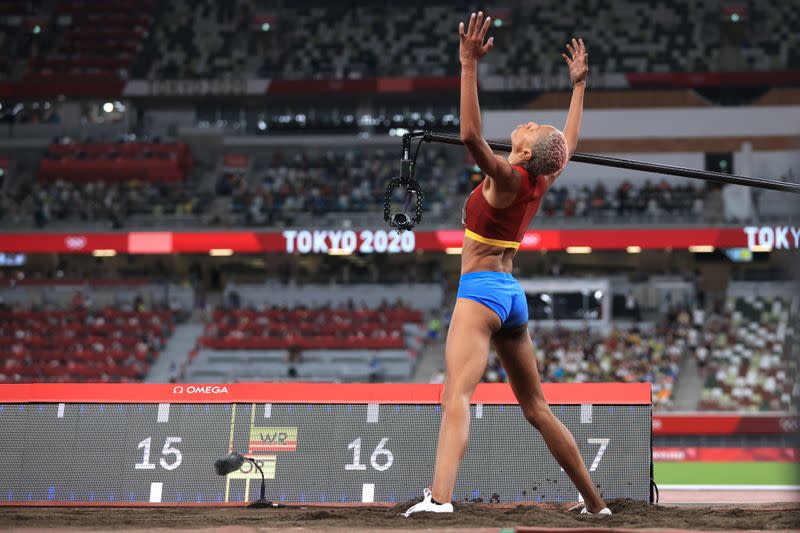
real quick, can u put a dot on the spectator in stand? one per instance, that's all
(632, 307)
(375, 369)
(294, 358)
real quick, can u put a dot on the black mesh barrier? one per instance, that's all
(309, 452)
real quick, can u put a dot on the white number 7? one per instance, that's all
(603, 445)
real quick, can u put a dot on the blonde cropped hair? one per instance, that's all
(548, 155)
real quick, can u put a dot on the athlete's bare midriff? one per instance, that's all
(480, 257)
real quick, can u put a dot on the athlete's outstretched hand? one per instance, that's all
(578, 61)
(472, 46)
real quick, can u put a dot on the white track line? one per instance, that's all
(730, 487)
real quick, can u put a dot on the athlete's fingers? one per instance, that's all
(471, 24)
(461, 29)
(575, 43)
(478, 25)
(583, 46)
(485, 27)
(489, 44)
(567, 59)
(570, 50)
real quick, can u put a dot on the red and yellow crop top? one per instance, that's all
(503, 227)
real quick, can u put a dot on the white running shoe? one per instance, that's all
(427, 506)
(605, 511)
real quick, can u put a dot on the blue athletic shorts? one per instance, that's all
(498, 291)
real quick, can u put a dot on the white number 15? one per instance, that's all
(165, 452)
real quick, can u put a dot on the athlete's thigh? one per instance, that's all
(515, 351)
(467, 348)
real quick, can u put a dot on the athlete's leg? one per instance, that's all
(466, 354)
(515, 351)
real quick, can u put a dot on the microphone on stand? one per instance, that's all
(234, 462)
(231, 463)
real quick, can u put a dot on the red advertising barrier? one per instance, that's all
(64, 84)
(725, 455)
(404, 84)
(713, 79)
(724, 424)
(235, 161)
(486, 393)
(107, 84)
(382, 241)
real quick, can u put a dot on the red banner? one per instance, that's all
(68, 85)
(724, 424)
(724, 455)
(107, 85)
(713, 79)
(486, 393)
(404, 84)
(235, 161)
(381, 241)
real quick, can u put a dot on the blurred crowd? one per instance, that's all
(235, 40)
(295, 42)
(739, 348)
(317, 183)
(60, 201)
(746, 349)
(323, 182)
(632, 355)
(648, 199)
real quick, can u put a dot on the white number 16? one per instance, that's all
(379, 451)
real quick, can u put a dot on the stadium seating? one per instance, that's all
(426, 296)
(95, 293)
(362, 41)
(312, 185)
(635, 355)
(341, 344)
(84, 162)
(107, 203)
(322, 182)
(81, 345)
(634, 202)
(203, 39)
(749, 365)
(95, 38)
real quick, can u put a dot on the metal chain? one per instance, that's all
(400, 221)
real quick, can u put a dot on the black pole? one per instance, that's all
(578, 157)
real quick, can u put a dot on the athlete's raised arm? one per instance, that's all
(578, 63)
(471, 50)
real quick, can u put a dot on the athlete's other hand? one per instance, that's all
(578, 61)
(472, 47)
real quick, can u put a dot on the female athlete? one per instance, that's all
(491, 306)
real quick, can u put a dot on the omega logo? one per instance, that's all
(532, 239)
(204, 389)
(75, 242)
(788, 425)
